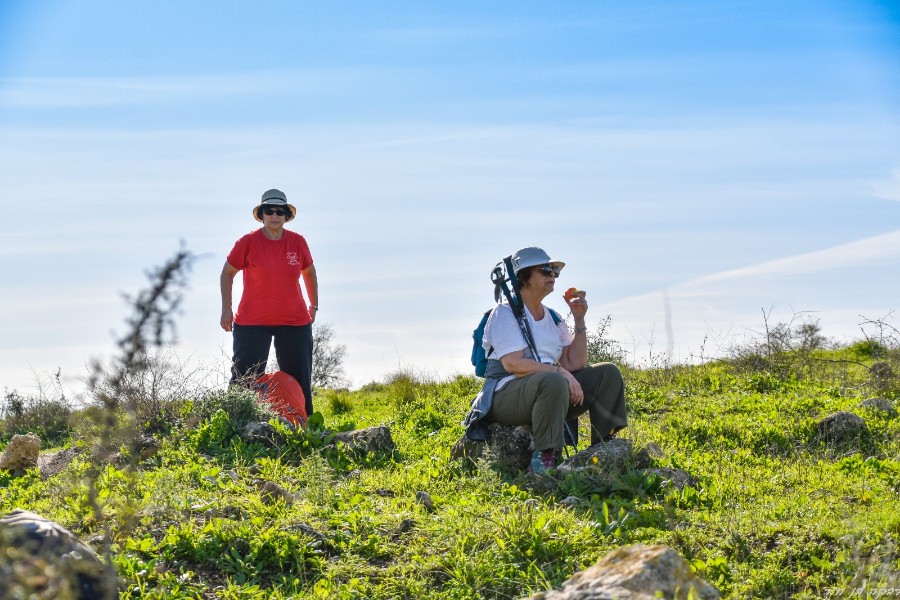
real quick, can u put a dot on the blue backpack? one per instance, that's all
(479, 356)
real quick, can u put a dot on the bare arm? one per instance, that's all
(574, 356)
(226, 284)
(520, 366)
(311, 281)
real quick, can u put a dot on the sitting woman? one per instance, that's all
(546, 390)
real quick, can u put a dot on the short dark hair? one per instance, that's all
(524, 276)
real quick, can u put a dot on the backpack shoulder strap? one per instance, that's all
(555, 316)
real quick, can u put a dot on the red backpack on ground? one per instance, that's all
(285, 396)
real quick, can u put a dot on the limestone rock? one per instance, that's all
(508, 447)
(271, 492)
(881, 370)
(647, 456)
(147, 447)
(672, 477)
(570, 501)
(53, 463)
(613, 456)
(636, 572)
(371, 439)
(21, 453)
(41, 559)
(261, 433)
(424, 498)
(880, 404)
(841, 427)
(319, 539)
(406, 525)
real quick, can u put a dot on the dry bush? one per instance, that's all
(157, 392)
(783, 350)
(41, 414)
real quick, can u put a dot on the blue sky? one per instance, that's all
(703, 160)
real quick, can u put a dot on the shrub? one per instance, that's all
(240, 404)
(602, 349)
(46, 417)
(155, 392)
(338, 401)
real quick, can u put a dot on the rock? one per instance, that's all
(647, 456)
(613, 456)
(508, 448)
(406, 525)
(385, 493)
(841, 427)
(21, 453)
(424, 498)
(147, 447)
(310, 532)
(261, 433)
(636, 572)
(53, 463)
(881, 370)
(880, 404)
(570, 501)
(672, 477)
(466, 449)
(271, 492)
(371, 439)
(41, 559)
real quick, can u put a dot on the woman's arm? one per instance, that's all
(311, 281)
(226, 284)
(516, 364)
(574, 356)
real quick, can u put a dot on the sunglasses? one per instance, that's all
(275, 211)
(548, 269)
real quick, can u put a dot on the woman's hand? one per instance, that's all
(575, 299)
(576, 394)
(226, 319)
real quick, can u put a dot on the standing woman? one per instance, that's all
(272, 306)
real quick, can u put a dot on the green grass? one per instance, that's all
(776, 512)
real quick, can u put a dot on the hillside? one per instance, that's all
(779, 510)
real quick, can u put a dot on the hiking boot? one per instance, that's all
(541, 460)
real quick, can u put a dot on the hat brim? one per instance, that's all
(290, 207)
(555, 263)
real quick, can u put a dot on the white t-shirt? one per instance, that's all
(502, 335)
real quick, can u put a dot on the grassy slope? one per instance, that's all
(776, 513)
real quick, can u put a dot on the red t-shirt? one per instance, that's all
(272, 270)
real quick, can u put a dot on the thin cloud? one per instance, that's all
(84, 92)
(861, 252)
(888, 188)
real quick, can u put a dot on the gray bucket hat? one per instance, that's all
(531, 257)
(276, 199)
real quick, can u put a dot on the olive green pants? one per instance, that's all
(541, 400)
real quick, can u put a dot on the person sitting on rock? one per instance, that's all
(544, 391)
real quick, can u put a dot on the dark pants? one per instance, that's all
(293, 350)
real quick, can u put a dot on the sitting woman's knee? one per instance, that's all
(553, 387)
